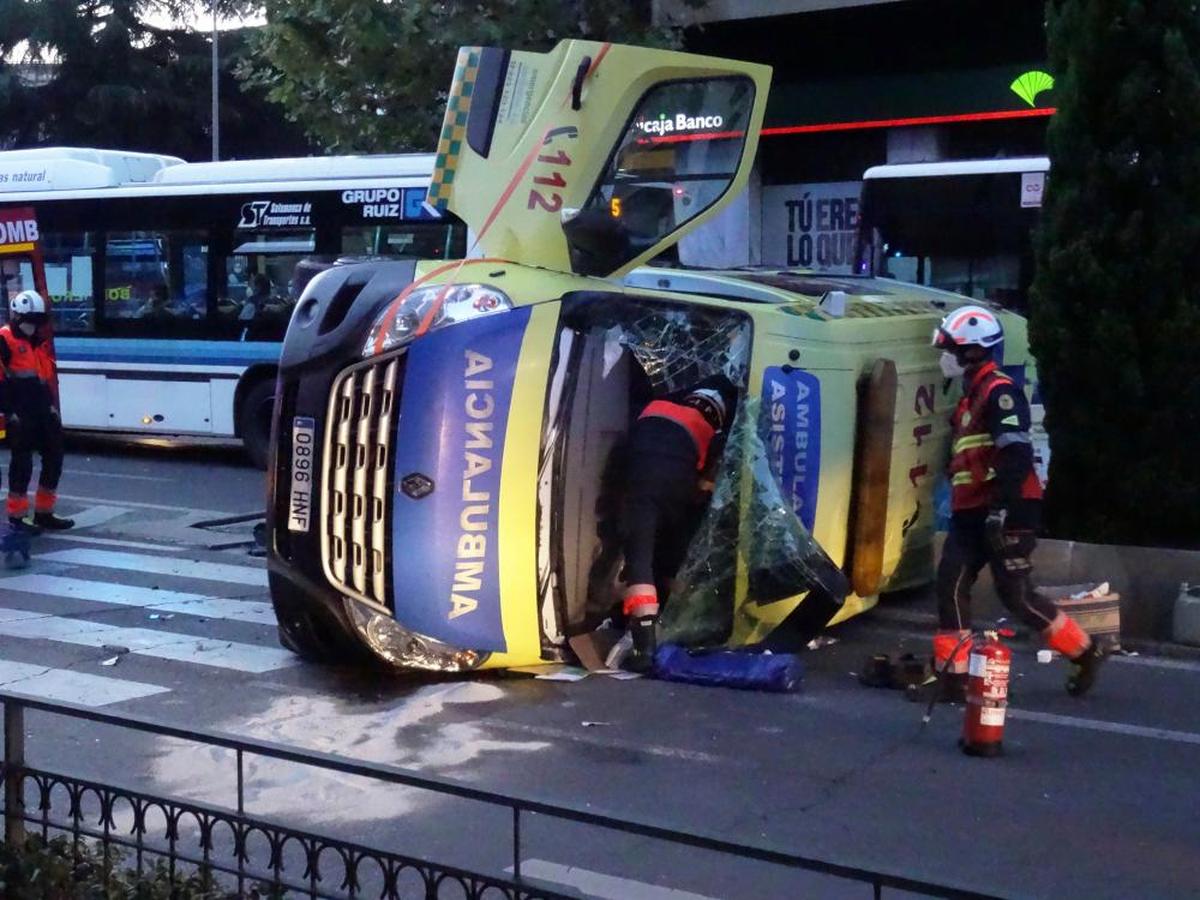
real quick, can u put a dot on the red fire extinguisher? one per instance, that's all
(987, 696)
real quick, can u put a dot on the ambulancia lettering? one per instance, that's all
(480, 406)
(791, 430)
(779, 444)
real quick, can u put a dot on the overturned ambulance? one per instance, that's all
(445, 433)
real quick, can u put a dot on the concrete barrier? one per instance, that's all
(1147, 578)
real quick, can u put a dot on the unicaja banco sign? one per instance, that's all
(680, 122)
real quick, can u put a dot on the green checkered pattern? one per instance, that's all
(454, 126)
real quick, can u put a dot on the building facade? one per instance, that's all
(862, 83)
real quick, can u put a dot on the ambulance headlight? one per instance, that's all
(429, 307)
(395, 644)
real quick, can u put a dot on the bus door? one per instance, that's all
(21, 264)
(20, 254)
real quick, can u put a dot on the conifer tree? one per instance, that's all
(1116, 300)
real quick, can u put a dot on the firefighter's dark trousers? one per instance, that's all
(966, 552)
(41, 433)
(661, 509)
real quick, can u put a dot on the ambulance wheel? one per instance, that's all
(254, 421)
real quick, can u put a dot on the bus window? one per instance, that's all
(963, 233)
(70, 263)
(15, 279)
(156, 282)
(408, 241)
(261, 285)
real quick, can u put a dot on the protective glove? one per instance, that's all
(994, 526)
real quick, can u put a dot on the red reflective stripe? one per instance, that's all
(1065, 636)
(44, 500)
(944, 644)
(689, 418)
(641, 605)
(17, 505)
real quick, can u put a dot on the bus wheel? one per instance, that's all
(254, 421)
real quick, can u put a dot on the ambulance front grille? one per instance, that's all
(356, 478)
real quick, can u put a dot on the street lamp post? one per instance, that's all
(216, 122)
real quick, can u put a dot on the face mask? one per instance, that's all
(27, 328)
(951, 367)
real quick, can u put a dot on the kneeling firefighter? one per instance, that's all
(28, 400)
(671, 446)
(996, 500)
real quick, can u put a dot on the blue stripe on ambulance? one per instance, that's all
(790, 426)
(453, 418)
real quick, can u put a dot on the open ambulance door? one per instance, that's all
(593, 158)
(21, 264)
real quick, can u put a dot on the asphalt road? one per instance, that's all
(1095, 797)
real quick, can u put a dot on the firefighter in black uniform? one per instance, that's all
(30, 406)
(995, 507)
(673, 443)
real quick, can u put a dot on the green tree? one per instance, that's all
(1116, 300)
(372, 75)
(115, 80)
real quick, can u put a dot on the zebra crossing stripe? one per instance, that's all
(72, 687)
(168, 645)
(252, 611)
(98, 515)
(159, 565)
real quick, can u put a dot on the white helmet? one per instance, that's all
(968, 326)
(711, 404)
(27, 303)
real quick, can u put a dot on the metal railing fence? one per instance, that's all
(357, 869)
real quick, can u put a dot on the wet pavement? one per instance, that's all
(1094, 796)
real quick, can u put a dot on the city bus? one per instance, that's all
(172, 283)
(964, 226)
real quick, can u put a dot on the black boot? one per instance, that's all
(19, 524)
(950, 687)
(1084, 668)
(51, 522)
(645, 643)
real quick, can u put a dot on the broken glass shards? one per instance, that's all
(752, 563)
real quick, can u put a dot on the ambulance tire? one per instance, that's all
(314, 635)
(254, 421)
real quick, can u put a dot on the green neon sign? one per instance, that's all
(1029, 85)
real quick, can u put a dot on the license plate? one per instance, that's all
(304, 431)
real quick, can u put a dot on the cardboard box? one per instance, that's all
(1097, 614)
